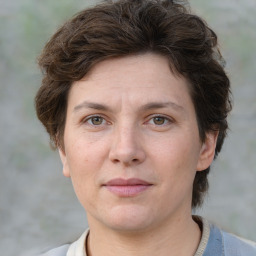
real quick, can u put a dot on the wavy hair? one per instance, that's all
(125, 27)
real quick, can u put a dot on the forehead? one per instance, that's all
(150, 65)
(137, 78)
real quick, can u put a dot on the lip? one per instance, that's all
(127, 187)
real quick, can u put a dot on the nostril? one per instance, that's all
(126, 155)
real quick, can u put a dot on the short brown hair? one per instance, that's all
(124, 27)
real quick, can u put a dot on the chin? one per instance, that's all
(129, 218)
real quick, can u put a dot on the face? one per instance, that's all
(131, 143)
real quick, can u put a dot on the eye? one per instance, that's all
(160, 120)
(95, 120)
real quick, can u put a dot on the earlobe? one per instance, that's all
(207, 151)
(63, 158)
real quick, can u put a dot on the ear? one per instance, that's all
(63, 157)
(207, 151)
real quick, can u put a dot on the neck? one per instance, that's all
(180, 237)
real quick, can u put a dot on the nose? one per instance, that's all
(126, 147)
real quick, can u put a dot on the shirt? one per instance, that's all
(214, 242)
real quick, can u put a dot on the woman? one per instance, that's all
(135, 98)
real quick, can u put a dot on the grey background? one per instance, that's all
(38, 208)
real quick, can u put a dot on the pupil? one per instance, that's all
(158, 120)
(97, 120)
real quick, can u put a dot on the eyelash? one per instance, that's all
(90, 118)
(166, 120)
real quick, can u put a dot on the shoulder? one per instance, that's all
(234, 245)
(75, 248)
(222, 243)
(59, 251)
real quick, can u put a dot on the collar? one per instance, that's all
(205, 229)
(211, 241)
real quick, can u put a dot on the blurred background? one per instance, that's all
(38, 208)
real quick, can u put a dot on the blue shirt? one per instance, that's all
(221, 243)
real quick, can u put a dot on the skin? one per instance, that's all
(131, 117)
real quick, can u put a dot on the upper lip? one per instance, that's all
(127, 182)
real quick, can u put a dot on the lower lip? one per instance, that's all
(128, 190)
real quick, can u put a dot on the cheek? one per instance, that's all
(84, 151)
(83, 176)
(85, 159)
(175, 160)
(177, 152)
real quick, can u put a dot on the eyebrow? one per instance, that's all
(92, 105)
(157, 105)
(148, 106)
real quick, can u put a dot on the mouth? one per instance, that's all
(127, 187)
